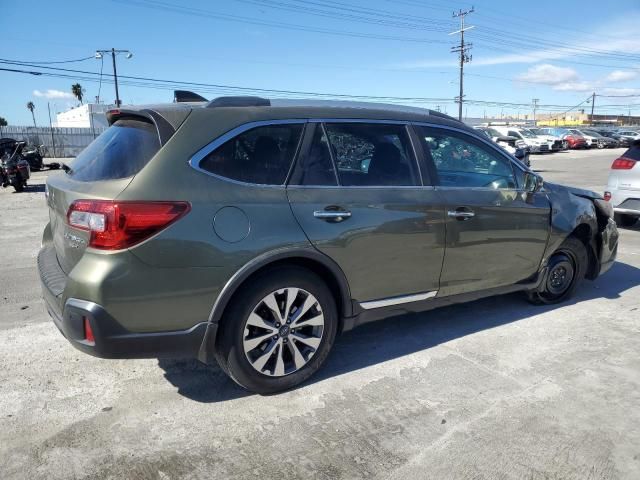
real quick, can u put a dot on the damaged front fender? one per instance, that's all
(584, 214)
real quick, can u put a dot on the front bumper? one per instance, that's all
(608, 246)
(111, 339)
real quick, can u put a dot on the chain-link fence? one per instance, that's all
(56, 142)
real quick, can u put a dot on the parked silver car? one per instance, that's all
(623, 188)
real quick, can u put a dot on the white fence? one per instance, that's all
(58, 142)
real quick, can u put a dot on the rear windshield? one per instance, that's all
(633, 153)
(120, 152)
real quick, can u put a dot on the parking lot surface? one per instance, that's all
(495, 389)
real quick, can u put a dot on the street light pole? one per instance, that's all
(113, 52)
(115, 76)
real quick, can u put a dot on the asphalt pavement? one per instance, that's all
(495, 389)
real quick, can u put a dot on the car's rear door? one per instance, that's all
(357, 192)
(495, 232)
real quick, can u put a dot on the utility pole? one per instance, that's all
(593, 105)
(114, 52)
(463, 50)
(535, 107)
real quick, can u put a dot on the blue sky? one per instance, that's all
(558, 52)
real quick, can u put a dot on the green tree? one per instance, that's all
(31, 107)
(77, 91)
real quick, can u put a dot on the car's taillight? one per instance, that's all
(117, 225)
(623, 164)
(607, 196)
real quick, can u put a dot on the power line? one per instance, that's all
(157, 5)
(59, 61)
(162, 84)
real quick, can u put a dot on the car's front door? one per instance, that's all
(358, 194)
(496, 233)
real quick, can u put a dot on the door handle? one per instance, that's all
(335, 215)
(461, 214)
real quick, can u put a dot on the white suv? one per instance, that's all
(535, 143)
(623, 188)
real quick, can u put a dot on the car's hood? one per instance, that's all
(554, 187)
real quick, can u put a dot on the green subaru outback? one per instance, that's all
(252, 232)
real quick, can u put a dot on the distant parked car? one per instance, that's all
(623, 187)
(557, 143)
(622, 141)
(600, 140)
(516, 147)
(574, 141)
(536, 144)
(629, 135)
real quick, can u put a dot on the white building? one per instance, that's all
(89, 115)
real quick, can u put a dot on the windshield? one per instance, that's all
(527, 133)
(537, 131)
(592, 133)
(494, 133)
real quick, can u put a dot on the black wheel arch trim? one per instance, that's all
(208, 343)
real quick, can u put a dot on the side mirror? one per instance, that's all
(520, 154)
(532, 182)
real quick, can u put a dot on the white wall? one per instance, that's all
(89, 115)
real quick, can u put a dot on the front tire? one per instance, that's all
(565, 270)
(278, 330)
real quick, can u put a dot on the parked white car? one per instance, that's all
(557, 143)
(536, 144)
(623, 188)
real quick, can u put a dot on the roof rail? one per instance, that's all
(183, 96)
(239, 102)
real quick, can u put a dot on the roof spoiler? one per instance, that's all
(239, 102)
(182, 96)
(164, 128)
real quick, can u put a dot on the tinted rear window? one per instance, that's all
(633, 153)
(262, 155)
(120, 152)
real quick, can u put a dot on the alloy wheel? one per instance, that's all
(283, 332)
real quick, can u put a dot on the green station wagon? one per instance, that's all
(252, 232)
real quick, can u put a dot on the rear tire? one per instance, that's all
(294, 345)
(19, 187)
(625, 220)
(565, 270)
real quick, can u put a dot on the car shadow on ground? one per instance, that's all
(398, 336)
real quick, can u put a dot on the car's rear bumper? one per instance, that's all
(111, 339)
(626, 202)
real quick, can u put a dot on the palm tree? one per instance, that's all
(3, 123)
(31, 107)
(76, 89)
